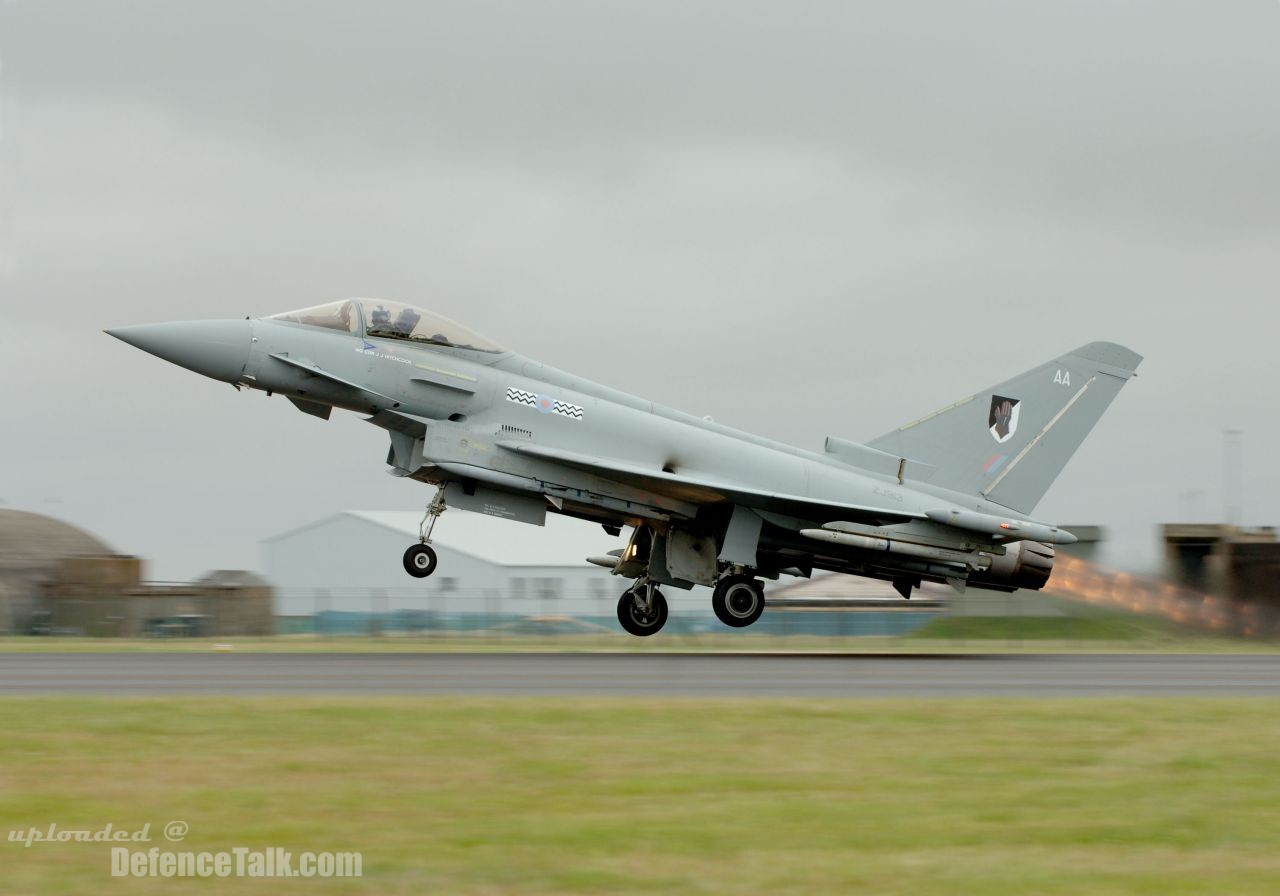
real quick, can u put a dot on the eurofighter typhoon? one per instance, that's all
(946, 498)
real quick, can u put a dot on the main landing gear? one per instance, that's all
(738, 600)
(642, 610)
(420, 559)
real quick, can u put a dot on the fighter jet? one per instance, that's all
(945, 498)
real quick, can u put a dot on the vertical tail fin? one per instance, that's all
(1009, 443)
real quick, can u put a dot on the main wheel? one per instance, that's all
(738, 601)
(639, 617)
(420, 561)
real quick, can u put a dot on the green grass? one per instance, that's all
(970, 796)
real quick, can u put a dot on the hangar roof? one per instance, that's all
(563, 541)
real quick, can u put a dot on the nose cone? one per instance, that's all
(216, 348)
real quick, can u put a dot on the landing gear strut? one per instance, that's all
(738, 600)
(420, 559)
(642, 610)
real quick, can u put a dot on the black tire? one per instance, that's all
(738, 601)
(635, 621)
(420, 561)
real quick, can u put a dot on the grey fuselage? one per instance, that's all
(511, 437)
(463, 397)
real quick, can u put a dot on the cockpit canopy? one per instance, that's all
(377, 318)
(392, 320)
(344, 316)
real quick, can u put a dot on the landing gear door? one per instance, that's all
(530, 509)
(691, 557)
(742, 537)
(405, 453)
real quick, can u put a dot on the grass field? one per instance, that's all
(684, 796)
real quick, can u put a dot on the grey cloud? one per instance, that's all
(1161, 117)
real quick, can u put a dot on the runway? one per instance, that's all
(639, 675)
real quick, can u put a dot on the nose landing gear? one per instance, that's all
(642, 610)
(420, 559)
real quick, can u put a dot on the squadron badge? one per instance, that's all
(1003, 417)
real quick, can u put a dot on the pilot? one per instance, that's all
(380, 317)
(406, 321)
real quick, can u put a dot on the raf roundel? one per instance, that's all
(545, 404)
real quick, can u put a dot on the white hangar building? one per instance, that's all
(352, 562)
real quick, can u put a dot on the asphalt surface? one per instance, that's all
(649, 674)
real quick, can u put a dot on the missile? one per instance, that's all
(609, 560)
(970, 559)
(1005, 527)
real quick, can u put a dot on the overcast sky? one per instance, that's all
(800, 218)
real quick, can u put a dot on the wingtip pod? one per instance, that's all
(1109, 354)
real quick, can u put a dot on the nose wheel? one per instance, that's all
(642, 610)
(420, 559)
